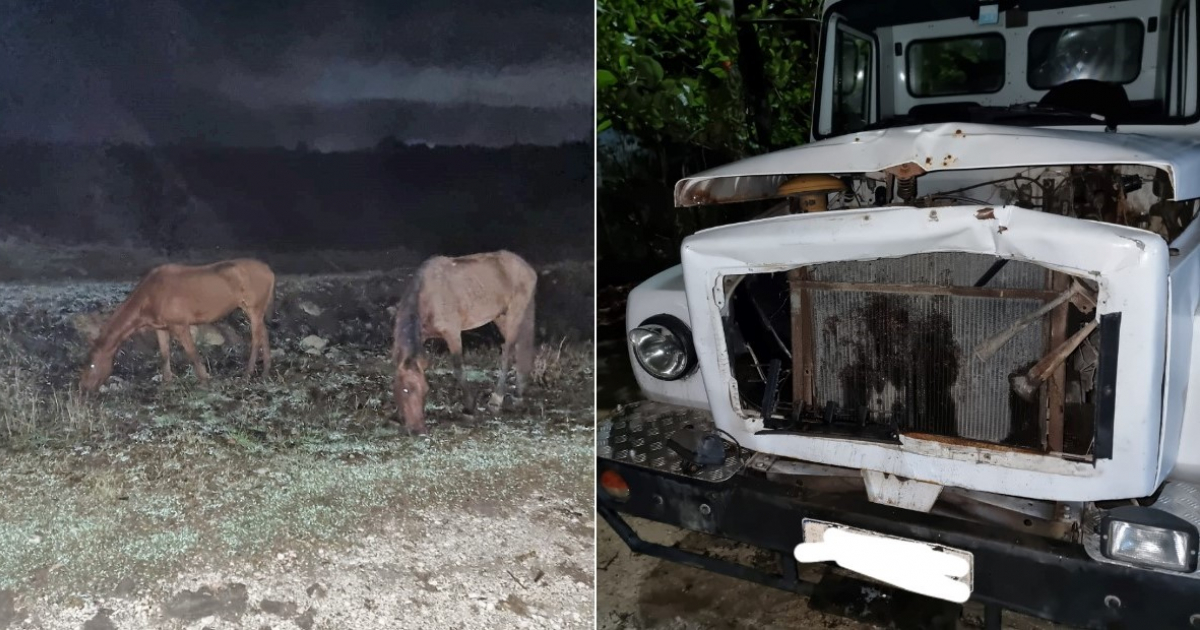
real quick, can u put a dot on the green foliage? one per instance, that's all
(790, 65)
(665, 73)
(669, 77)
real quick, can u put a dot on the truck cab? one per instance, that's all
(969, 317)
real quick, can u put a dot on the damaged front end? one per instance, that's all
(988, 348)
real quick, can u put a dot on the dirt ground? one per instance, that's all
(291, 501)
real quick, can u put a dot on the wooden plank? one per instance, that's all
(925, 289)
(803, 343)
(1057, 383)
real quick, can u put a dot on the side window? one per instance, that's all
(956, 65)
(1181, 99)
(853, 81)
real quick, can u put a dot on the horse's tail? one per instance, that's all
(406, 338)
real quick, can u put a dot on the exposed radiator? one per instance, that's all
(907, 357)
(892, 341)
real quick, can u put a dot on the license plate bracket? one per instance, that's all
(920, 567)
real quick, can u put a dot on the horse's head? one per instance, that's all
(98, 369)
(410, 389)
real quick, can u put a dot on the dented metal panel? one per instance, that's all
(943, 147)
(1180, 440)
(1130, 267)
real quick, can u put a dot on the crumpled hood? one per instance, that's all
(939, 147)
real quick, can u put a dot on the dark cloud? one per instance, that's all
(237, 72)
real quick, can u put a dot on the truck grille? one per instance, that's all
(882, 347)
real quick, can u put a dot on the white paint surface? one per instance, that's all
(908, 564)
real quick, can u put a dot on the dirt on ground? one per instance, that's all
(295, 500)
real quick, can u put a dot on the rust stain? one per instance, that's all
(933, 215)
(958, 133)
(1001, 229)
(700, 196)
(948, 160)
(929, 161)
(986, 213)
(958, 441)
(906, 170)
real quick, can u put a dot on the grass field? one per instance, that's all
(293, 500)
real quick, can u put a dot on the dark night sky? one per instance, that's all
(337, 74)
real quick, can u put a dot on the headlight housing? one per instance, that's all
(1151, 538)
(663, 347)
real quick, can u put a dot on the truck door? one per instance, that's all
(849, 82)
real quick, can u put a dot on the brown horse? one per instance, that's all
(173, 298)
(448, 296)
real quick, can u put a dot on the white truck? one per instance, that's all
(956, 356)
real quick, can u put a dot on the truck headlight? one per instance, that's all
(1148, 537)
(663, 347)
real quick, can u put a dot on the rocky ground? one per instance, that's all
(290, 501)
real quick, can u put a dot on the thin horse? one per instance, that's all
(172, 298)
(448, 296)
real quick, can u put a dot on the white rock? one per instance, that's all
(310, 308)
(313, 344)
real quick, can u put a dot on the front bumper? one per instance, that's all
(1036, 576)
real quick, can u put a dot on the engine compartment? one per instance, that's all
(1132, 195)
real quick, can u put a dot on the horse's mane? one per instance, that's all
(117, 319)
(407, 335)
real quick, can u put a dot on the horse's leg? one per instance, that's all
(164, 348)
(454, 343)
(263, 337)
(505, 324)
(496, 402)
(184, 335)
(255, 345)
(525, 347)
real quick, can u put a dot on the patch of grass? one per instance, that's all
(159, 507)
(145, 477)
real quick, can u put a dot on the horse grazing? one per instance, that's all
(448, 296)
(172, 298)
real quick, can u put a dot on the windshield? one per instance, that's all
(1047, 63)
(1109, 51)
